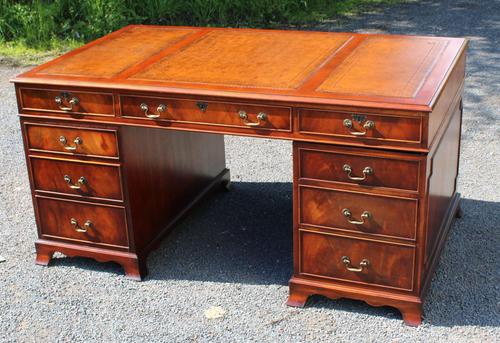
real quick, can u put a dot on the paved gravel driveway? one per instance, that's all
(242, 261)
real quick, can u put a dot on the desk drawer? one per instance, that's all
(363, 127)
(341, 258)
(79, 178)
(82, 222)
(72, 140)
(63, 101)
(362, 213)
(209, 113)
(359, 168)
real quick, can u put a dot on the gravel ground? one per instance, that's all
(242, 262)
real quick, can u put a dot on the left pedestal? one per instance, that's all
(111, 193)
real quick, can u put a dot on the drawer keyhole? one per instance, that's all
(202, 106)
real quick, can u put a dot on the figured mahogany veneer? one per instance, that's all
(386, 128)
(388, 216)
(107, 225)
(389, 265)
(87, 102)
(79, 178)
(387, 170)
(77, 140)
(125, 134)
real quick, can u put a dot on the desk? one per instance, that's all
(124, 135)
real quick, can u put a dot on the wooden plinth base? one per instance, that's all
(409, 306)
(134, 266)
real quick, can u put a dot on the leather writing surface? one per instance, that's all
(247, 58)
(385, 66)
(115, 55)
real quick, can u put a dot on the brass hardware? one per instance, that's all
(369, 124)
(66, 97)
(202, 106)
(347, 262)
(359, 118)
(367, 171)
(88, 224)
(81, 181)
(364, 216)
(160, 109)
(261, 117)
(64, 142)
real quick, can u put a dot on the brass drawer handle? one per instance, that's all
(364, 216)
(369, 124)
(66, 97)
(88, 224)
(347, 263)
(367, 171)
(81, 181)
(160, 109)
(78, 141)
(261, 118)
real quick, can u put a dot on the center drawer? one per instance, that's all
(207, 112)
(355, 260)
(81, 178)
(82, 222)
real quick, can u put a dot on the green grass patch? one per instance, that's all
(19, 54)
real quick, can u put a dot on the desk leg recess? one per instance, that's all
(163, 174)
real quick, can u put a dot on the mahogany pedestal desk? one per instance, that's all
(125, 134)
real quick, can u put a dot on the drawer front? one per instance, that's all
(82, 222)
(362, 213)
(77, 141)
(209, 113)
(76, 178)
(361, 126)
(61, 101)
(358, 169)
(355, 260)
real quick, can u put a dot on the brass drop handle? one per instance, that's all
(369, 124)
(81, 181)
(78, 141)
(347, 263)
(364, 216)
(88, 224)
(59, 100)
(160, 109)
(261, 118)
(348, 170)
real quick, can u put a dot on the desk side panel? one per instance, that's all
(442, 198)
(165, 171)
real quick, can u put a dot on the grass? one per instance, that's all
(32, 31)
(19, 54)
